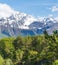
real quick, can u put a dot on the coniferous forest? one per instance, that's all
(30, 50)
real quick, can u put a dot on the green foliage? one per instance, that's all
(29, 50)
(55, 32)
(1, 60)
(8, 62)
(19, 55)
(6, 47)
(55, 62)
(18, 42)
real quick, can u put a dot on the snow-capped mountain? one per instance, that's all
(14, 23)
(23, 24)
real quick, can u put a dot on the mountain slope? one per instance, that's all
(14, 23)
(3, 35)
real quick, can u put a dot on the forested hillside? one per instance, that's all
(30, 50)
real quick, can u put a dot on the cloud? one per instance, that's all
(50, 15)
(54, 8)
(6, 10)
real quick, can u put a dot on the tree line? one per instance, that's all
(30, 50)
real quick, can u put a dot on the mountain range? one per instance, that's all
(18, 23)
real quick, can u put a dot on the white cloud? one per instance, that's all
(50, 15)
(5, 10)
(54, 8)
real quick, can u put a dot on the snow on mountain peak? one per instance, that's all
(56, 18)
(20, 20)
(40, 19)
(29, 19)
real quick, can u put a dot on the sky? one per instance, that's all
(37, 8)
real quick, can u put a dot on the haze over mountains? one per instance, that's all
(14, 23)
